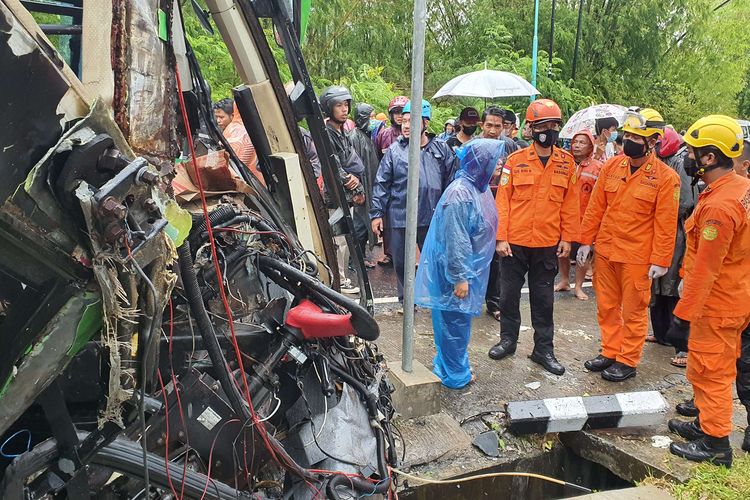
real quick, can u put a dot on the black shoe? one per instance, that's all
(706, 449)
(746, 441)
(687, 408)
(598, 364)
(687, 430)
(549, 362)
(502, 349)
(618, 372)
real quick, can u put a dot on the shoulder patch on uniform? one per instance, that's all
(710, 233)
(504, 179)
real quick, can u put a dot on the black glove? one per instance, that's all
(679, 329)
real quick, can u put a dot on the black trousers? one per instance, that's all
(661, 318)
(492, 297)
(541, 266)
(743, 372)
(398, 250)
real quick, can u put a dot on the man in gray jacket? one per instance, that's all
(436, 168)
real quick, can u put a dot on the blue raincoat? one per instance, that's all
(459, 247)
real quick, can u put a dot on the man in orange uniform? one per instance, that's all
(538, 207)
(715, 303)
(632, 217)
(587, 172)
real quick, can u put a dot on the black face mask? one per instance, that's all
(547, 138)
(634, 150)
(469, 129)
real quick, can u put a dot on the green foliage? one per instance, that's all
(681, 57)
(711, 482)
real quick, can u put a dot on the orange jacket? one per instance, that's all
(587, 172)
(537, 205)
(716, 268)
(633, 218)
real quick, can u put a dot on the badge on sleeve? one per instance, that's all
(676, 194)
(710, 233)
(504, 179)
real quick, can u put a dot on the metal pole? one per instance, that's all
(552, 35)
(412, 185)
(535, 47)
(578, 39)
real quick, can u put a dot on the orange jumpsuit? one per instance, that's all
(587, 173)
(716, 296)
(632, 218)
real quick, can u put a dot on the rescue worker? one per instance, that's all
(454, 263)
(437, 165)
(538, 212)
(664, 294)
(587, 172)
(714, 307)
(632, 218)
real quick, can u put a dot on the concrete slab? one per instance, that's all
(640, 493)
(630, 453)
(417, 393)
(432, 438)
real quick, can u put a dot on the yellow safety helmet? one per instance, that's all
(720, 131)
(644, 122)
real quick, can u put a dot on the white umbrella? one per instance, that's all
(488, 84)
(586, 118)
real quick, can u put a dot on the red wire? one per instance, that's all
(219, 275)
(211, 454)
(179, 400)
(166, 440)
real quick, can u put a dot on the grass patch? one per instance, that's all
(709, 482)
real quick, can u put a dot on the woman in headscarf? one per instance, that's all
(455, 260)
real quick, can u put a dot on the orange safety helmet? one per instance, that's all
(543, 110)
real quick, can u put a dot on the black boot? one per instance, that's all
(687, 430)
(618, 372)
(548, 361)
(598, 364)
(746, 441)
(687, 408)
(706, 449)
(502, 349)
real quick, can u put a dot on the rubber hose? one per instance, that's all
(211, 345)
(221, 214)
(206, 329)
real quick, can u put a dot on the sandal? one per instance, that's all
(651, 338)
(680, 360)
(496, 315)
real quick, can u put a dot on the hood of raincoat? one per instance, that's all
(478, 160)
(362, 116)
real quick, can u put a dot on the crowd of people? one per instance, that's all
(659, 220)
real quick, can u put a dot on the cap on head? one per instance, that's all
(720, 131)
(644, 122)
(543, 110)
(469, 115)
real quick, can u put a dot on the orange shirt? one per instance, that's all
(587, 172)
(633, 217)
(716, 268)
(537, 205)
